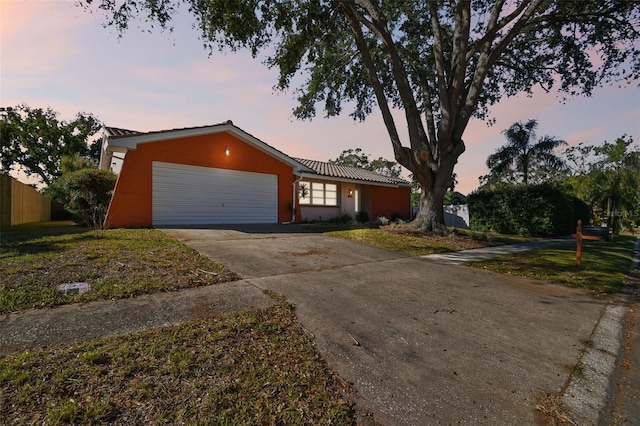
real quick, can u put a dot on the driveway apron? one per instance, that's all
(421, 342)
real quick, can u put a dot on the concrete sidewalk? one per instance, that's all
(421, 341)
(487, 253)
(38, 328)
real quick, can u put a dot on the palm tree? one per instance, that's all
(525, 152)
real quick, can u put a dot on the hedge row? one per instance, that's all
(535, 210)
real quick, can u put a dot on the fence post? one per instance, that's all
(579, 243)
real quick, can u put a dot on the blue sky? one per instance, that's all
(53, 54)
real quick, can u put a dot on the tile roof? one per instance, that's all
(319, 167)
(346, 172)
(119, 133)
(115, 132)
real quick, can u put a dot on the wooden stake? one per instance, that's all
(579, 243)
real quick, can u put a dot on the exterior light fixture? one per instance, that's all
(350, 193)
(226, 150)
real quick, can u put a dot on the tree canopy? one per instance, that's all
(36, 140)
(440, 62)
(608, 177)
(357, 158)
(524, 155)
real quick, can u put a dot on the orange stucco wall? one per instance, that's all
(131, 202)
(385, 201)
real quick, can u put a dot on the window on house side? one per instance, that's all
(319, 194)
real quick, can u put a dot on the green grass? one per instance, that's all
(403, 239)
(413, 246)
(605, 264)
(35, 259)
(253, 367)
(493, 237)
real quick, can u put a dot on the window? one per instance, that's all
(318, 193)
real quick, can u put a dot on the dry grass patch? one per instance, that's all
(118, 263)
(253, 367)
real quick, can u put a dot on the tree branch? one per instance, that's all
(445, 106)
(487, 59)
(493, 26)
(400, 152)
(428, 113)
(459, 60)
(417, 135)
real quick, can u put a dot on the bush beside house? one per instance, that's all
(85, 193)
(534, 210)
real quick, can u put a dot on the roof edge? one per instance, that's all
(131, 141)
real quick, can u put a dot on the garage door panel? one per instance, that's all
(185, 195)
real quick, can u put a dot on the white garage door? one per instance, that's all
(190, 195)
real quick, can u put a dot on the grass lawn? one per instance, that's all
(252, 367)
(403, 239)
(605, 264)
(118, 263)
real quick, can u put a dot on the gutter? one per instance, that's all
(293, 200)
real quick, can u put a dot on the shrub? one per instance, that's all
(397, 217)
(536, 210)
(344, 218)
(85, 193)
(383, 220)
(362, 217)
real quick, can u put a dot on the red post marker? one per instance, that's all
(579, 243)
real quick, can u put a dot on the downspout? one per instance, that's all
(293, 200)
(410, 205)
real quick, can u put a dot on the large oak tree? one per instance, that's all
(35, 140)
(441, 62)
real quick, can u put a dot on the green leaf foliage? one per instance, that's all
(609, 182)
(357, 158)
(523, 155)
(534, 210)
(86, 193)
(36, 140)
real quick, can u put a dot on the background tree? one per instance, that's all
(440, 62)
(523, 155)
(352, 158)
(36, 140)
(75, 162)
(357, 158)
(608, 177)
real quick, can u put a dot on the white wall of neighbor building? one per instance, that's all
(455, 216)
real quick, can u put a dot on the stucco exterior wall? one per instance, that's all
(385, 201)
(374, 200)
(131, 205)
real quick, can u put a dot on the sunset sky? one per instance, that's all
(53, 54)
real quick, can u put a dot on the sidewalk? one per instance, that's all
(487, 253)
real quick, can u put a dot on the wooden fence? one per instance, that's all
(20, 203)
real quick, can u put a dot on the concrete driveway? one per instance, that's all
(421, 342)
(255, 251)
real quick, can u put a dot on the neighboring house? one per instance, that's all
(221, 174)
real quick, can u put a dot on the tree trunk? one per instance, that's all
(433, 187)
(430, 216)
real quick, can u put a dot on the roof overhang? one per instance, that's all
(112, 144)
(312, 175)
